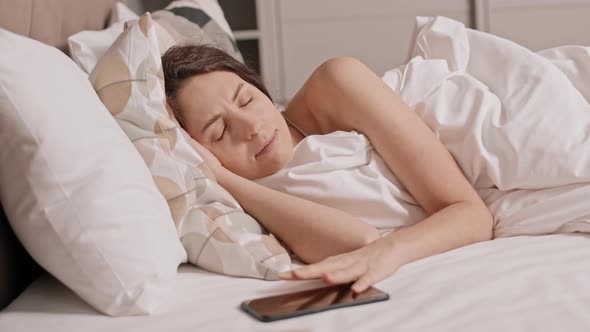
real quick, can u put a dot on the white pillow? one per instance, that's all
(87, 46)
(76, 192)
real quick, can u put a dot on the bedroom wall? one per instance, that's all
(286, 39)
(537, 24)
(296, 36)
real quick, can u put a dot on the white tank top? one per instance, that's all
(343, 170)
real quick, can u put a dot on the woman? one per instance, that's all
(224, 106)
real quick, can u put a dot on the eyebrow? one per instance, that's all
(217, 116)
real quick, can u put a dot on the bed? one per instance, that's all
(513, 284)
(518, 283)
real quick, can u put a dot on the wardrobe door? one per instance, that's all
(304, 33)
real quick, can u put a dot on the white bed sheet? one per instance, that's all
(510, 284)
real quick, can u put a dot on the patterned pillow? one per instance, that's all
(196, 22)
(216, 233)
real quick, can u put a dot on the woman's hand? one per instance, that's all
(210, 159)
(367, 266)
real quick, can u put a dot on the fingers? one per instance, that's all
(367, 266)
(364, 277)
(333, 271)
(366, 280)
(317, 270)
(347, 274)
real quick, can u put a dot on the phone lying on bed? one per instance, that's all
(289, 305)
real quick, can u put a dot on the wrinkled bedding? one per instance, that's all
(516, 284)
(516, 122)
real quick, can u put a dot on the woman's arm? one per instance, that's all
(343, 94)
(368, 265)
(313, 231)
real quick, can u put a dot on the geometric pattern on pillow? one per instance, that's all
(215, 231)
(187, 22)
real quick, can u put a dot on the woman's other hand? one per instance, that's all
(365, 266)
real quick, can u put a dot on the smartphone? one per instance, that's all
(290, 305)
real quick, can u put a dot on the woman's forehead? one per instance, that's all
(203, 95)
(209, 88)
(217, 80)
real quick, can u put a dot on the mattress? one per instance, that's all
(525, 283)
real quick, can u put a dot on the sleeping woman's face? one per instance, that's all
(235, 121)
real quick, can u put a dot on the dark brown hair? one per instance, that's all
(180, 63)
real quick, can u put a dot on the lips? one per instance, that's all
(267, 146)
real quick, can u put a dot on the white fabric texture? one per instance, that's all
(87, 46)
(517, 284)
(344, 171)
(517, 123)
(76, 192)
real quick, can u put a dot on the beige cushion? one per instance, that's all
(52, 21)
(217, 234)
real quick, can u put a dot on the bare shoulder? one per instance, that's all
(298, 112)
(317, 106)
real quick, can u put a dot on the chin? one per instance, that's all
(271, 169)
(273, 165)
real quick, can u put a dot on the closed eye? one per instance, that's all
(222, 133)
(247, 102)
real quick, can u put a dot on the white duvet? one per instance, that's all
(516, 122)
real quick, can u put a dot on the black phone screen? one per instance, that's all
(310, 301)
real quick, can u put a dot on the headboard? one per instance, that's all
(51, 22)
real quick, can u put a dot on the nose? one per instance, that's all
(248, 124)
